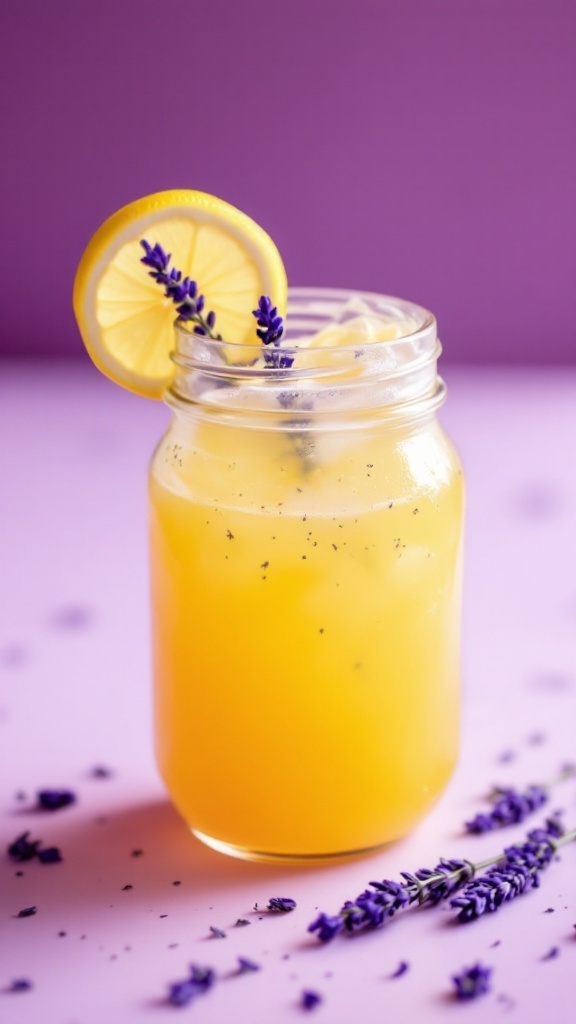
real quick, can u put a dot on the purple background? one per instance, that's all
(424, 149)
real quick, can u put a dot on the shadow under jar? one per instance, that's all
(306, 536)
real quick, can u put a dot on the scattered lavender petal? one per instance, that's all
(310, 999)
(50, 855)
(241, 922)
(402, 968)
(551, 682)
(506, 757)
(552, 953)
(472, 982)
(201, 979)
(75, 616)
(23, 849)
(27, 912)
(537, 501)
(217, 932)
(21, 985)
(245, 965)
(100, 771)
(55, 799)
(13, 656)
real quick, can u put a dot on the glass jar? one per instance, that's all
(306, 536)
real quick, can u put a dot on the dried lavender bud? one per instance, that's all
(23, 849)
(245, 965)
(402, 968)
(54, 799)
(510, 808)
(50, 855)
(242, 922)
(281, 904)
(217, 932)
(181, 993)
(310, 1000)
(100, 771)
(27, 912)
(21, 985)
(472, 982)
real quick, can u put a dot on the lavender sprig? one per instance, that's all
(511, 806)
(271, 329)
(375, 906)
(519, 870)
(182, 290)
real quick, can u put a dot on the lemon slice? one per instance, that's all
(126, 322)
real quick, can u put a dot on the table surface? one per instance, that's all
(75, 694)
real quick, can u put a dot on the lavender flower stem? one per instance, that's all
(182, 291)
(373, 907)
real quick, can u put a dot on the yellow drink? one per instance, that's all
(306, 615)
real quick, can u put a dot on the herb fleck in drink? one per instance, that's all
(306, 516)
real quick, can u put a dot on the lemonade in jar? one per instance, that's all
(306, 535)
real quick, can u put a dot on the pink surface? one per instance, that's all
(75, 694)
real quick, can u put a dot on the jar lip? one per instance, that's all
(386, 355)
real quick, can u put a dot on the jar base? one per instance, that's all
(242, 853)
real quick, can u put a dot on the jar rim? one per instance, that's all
(379, 368)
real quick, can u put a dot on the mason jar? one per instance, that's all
(306, 540)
